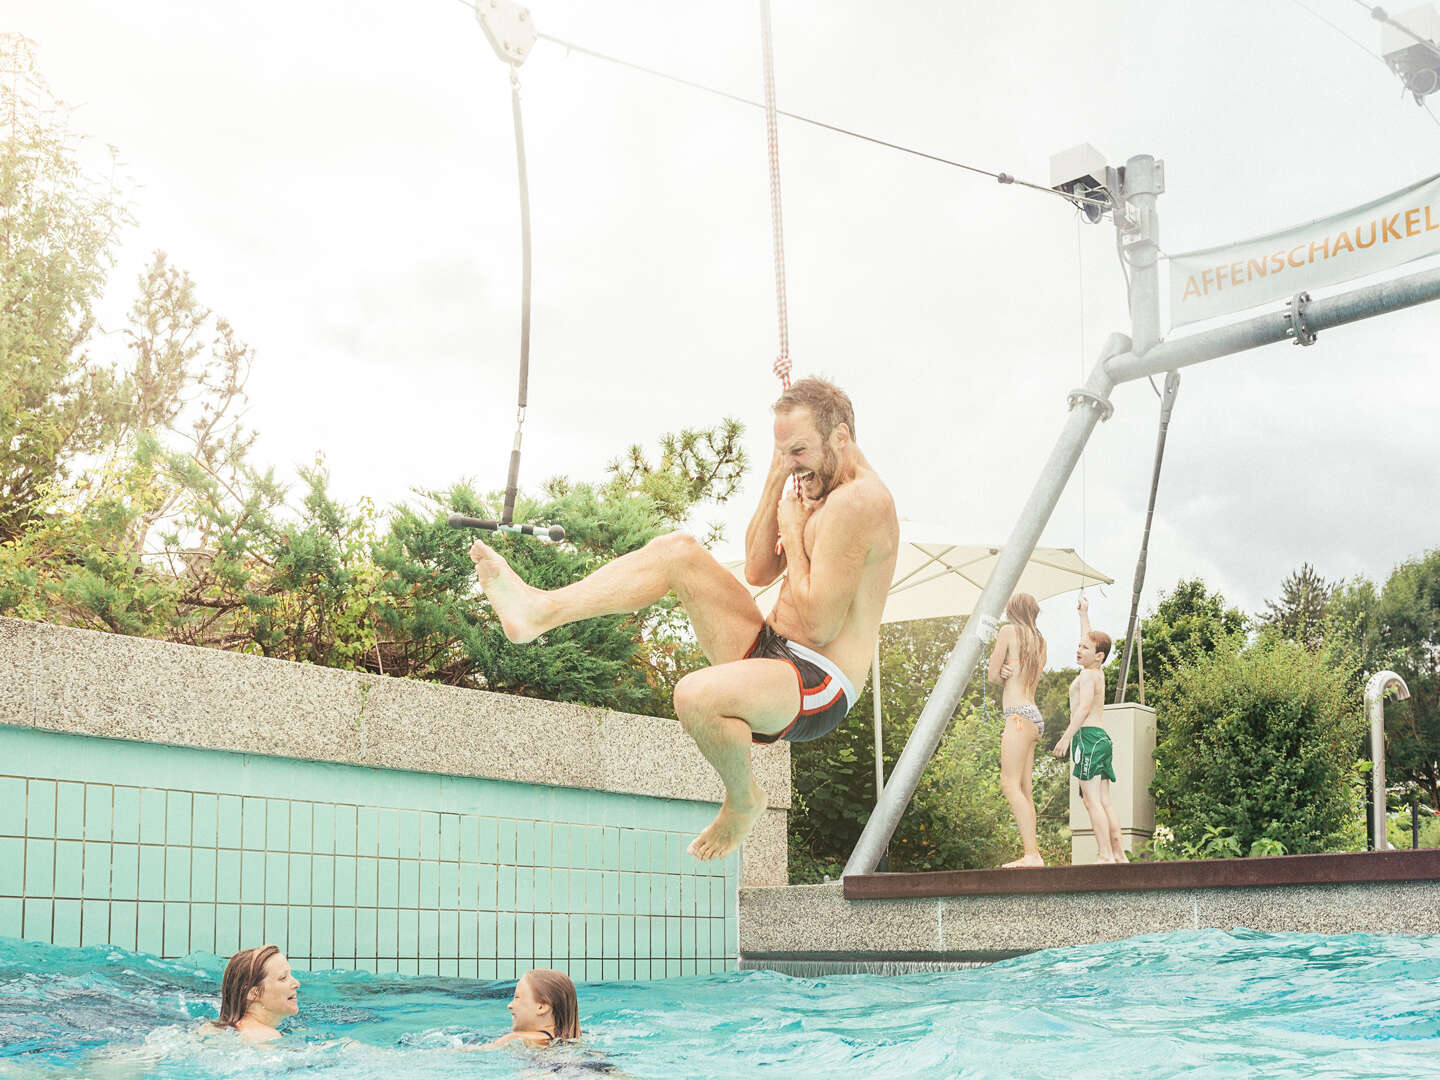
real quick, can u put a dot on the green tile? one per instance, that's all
(70, 811)
(302, 826)
(544, 844)
(489, 842)
(297, 931)
(387, 833)
(178, 813)
(487, 930)
(627, 936)
(447, 886)
(229, 880)
(12, 808)
(717, 938)
(387, 932)
(594, 892)
(407, 966)
(150, 929)
(467, 943)
(152, 872)
(40, 808)
(252, 925)
(448, 969)
(94, 922)
(428, 828)
(610, 893)
(206, 823)
(202, 928)
(610, 935)
(505, 935)
(524, 951)
(559, 938)
(277, 825)
(152, 816)
(627, 894)
(229, 814)
(676, 856)
(429, 928)
(177, 874)
(544, 937)
(97, 871)
(409, 884)
(687, 938)
(672, 936)
(506, 849)
(177, 929)
(524, 843)
(125, 871)
(202, 874)
(657, 937)
(323, 828)
(642, 850)
(356, 932)
(298, 888)
(252, 877)
(672, 895)
(385, 965)
(12, 868)
(99, 812)
(505, 897)
(429, 885)
(277, 877)
(525, 889)
(276, 925)
(594, 971)
(122, 923)
(687, 895)
(367, 882)
(560, 845)
(227, 930)
(487, 969)
(610, 849)
(627, 849)
(39, 868)
(732, 938)
(252, 823)
(347, 830)
(66, 930)
(449, 837)
(627, 970)
(487, 894)
(388, 883)
(38, 919)
(543, 890)
(322, 880)
(469, 829)
(717, 896)
(322, 931)
(594, 844)
(447, 926)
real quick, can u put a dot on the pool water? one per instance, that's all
(1204, 1004)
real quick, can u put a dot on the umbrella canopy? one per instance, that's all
(935, 577)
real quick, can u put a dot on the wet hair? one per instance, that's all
(1102, 643)
(1022, 611)
(244, 972)
(555, 989)
(828, 404)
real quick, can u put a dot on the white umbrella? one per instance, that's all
(935, 578)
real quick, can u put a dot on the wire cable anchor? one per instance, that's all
(1295, 327)
(508, 27)
(1083, 396)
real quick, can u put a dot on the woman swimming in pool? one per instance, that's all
(544, 1009)
(1017, 660)
(257, 992)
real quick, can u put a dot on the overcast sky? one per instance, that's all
(339, 178)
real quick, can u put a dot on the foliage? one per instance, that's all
(1300, 613)
(1188, 622)
(1260, 743)
(1399, 830)
(56, 403)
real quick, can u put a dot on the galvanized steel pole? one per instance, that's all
(1088, 405)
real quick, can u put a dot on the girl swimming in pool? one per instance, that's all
(544, 1009)
(257, 991)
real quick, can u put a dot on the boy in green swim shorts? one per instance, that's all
(1088, 743)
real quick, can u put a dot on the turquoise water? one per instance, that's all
(1203, 1003)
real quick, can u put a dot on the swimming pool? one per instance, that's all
(1204, 1003)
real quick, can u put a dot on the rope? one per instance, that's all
(1084, 494)
(513, 478)
(777, 225)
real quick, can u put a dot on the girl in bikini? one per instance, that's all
(543, 1009)
(1017, 661)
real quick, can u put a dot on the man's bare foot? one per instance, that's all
(1025, 860)
(730, 827)
(519, 606)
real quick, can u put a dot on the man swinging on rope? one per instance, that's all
(792, 678)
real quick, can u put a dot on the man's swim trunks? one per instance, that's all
(1093, 754)
(825, 692)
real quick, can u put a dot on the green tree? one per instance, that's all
(57, 403)
(1261, 743)
(1301, 612)
(1188, 622)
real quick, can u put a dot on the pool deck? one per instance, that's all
(977, 915)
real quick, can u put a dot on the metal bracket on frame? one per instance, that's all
(509, 27)
(1092, 400)
(1295, 328)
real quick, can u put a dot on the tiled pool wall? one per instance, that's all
(171, 850)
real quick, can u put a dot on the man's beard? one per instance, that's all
(825, 473)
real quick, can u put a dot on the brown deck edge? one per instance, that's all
(1423, 865)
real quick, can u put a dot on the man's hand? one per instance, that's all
(793, 512)
(1062, 747)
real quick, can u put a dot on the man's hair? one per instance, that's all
(828, 404)
(1103, 644)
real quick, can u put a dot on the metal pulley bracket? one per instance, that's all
(509, 27)
(1295, 327)
(1092, 400)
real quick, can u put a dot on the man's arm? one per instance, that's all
(822, 583)
(762, 564)
(1082, 697)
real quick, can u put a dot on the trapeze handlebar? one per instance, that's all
(550, 532)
